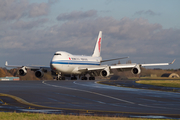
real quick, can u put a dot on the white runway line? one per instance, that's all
(90, 92)
(107, 96)
(128, 101)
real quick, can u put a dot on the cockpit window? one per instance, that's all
(57, 54)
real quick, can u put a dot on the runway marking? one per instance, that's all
(89, 92)
(81, 98)
(108, 97)
(132, 102)
(157, 107)
(89, 85)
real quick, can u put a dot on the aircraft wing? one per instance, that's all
(32, 67)
(114, 59)
(120, 66)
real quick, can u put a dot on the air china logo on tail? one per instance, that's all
(99, 44)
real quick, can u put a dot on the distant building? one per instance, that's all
(153, 75)
(170, 75)
(9, 78)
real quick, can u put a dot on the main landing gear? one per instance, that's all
(85, 78)
(59, 76)
(91, 78)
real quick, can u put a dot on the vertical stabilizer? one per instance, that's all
(97, 49)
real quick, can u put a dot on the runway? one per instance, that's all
(88, 95)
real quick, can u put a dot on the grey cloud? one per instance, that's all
(16, 9)
(38, 9)
(77, 15)
(120, 37)
(12, 9)
(148, 12)
(124, 29)
(28, 25)
(132, 37)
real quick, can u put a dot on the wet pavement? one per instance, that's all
(87, 98)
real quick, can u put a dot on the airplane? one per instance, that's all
(64, 64)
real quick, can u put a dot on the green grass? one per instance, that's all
(164, 83)
(38, 116)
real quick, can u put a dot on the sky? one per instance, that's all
(148, 31)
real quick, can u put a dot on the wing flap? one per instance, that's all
(114, 59)
(92, 68)
(123, 66)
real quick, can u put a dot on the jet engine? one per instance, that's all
(22, 71)
(39, 74)
(136, 70)
(105, 72)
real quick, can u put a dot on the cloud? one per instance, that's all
(38, 9)
(21, 24)
(125, 36)
(16, 9)
(148, 12)
(76, 15)
(77, 35)
(12, 9)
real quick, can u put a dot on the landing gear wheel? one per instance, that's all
(60, 78)
(63, 78)
(84, 78)
(74, 78)
(91, 78)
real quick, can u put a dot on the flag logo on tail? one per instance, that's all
(99, 44)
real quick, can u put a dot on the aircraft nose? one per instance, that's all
(52, 66)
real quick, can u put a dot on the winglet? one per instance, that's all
(6, 64)
(172, 61)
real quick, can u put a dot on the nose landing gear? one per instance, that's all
(74, 78)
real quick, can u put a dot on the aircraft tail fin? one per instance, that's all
(97, 49)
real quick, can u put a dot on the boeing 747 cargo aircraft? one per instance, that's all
(64, 63)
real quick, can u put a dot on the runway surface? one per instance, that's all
(89, 95)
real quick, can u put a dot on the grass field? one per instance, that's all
(164, 83)
(38, 116)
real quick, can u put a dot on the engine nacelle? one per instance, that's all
(136, 70)
(105, 72)
(22, 71)
(39, 74)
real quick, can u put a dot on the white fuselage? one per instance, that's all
(67, 63)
